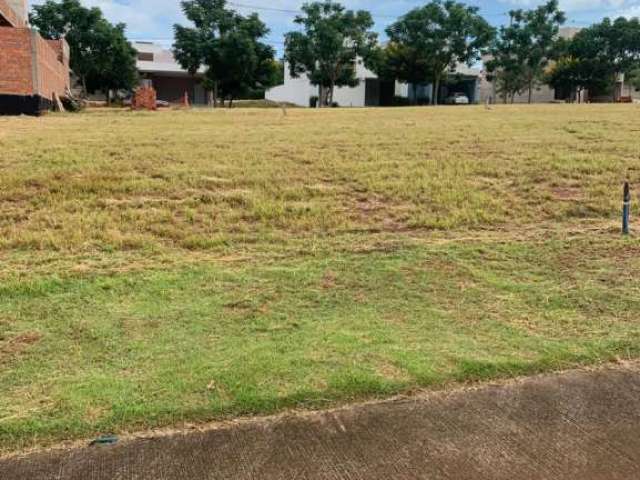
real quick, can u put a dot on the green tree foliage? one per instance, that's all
(618, 43)
(329, 47)
(579, 68)
(430, 41)
(573, 75)
(633, 77)
(523, 50)
(228, 45)
(101, 56)
(597, 56)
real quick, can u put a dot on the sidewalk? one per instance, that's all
(578, 425)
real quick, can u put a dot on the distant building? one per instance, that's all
(32, 70)
(374, 92)
(159, 67)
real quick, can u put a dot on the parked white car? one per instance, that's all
(457, 99)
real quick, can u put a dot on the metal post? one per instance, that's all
(626, 207)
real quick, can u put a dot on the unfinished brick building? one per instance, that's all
(32, 69)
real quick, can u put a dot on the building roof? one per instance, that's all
(464, 69)
(161, 60)
(569, 32)
(13, 13)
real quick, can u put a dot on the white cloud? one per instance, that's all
(572, 5)
(154, 19)
(632, 11)
(148, 18)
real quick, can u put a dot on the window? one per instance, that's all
(145, 56)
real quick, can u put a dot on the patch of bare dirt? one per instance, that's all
(18, 344)
(567, 194)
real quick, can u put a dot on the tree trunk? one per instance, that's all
(231, 102)
(530, 99)
(84, 87)
(414, 98)
(331, 90)
(108, 96)
(215, 95)
(322, 96)
(436, 91)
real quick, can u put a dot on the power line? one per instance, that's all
(269, 9)
(375, 15)
(395, 17)
(291, 11)
(171, 39)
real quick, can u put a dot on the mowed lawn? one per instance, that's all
(176, 267)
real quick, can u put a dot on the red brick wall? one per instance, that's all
(53, 68)
(144, 98)
(7, 15)
(15, 61)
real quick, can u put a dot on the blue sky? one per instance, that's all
(153, 19)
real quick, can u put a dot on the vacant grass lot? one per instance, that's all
(161, 268)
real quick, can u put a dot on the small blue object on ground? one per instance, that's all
(626, 207)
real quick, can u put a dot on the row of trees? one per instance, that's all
(428, 43)
(424, 46)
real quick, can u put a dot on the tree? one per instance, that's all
(523, 49)
(432, 40)
(397, 61)
(597, 56)
(612, 46)
(572, 76)
(579, 68)
(101, 56)
(228, 45)
(328, 49)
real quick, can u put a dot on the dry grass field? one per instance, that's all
(172, 267)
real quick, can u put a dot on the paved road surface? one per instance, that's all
(578, 425)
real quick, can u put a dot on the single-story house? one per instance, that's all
(372, 91)
(159, 67)
(32, 70)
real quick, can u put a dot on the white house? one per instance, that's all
(373, 92)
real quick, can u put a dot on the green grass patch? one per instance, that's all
(87, 354)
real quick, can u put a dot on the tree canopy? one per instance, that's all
(597, 56)
(617, 41)
(429, 41)
(101, 56)
(333, 40)
(229, 46)
(523, 50)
